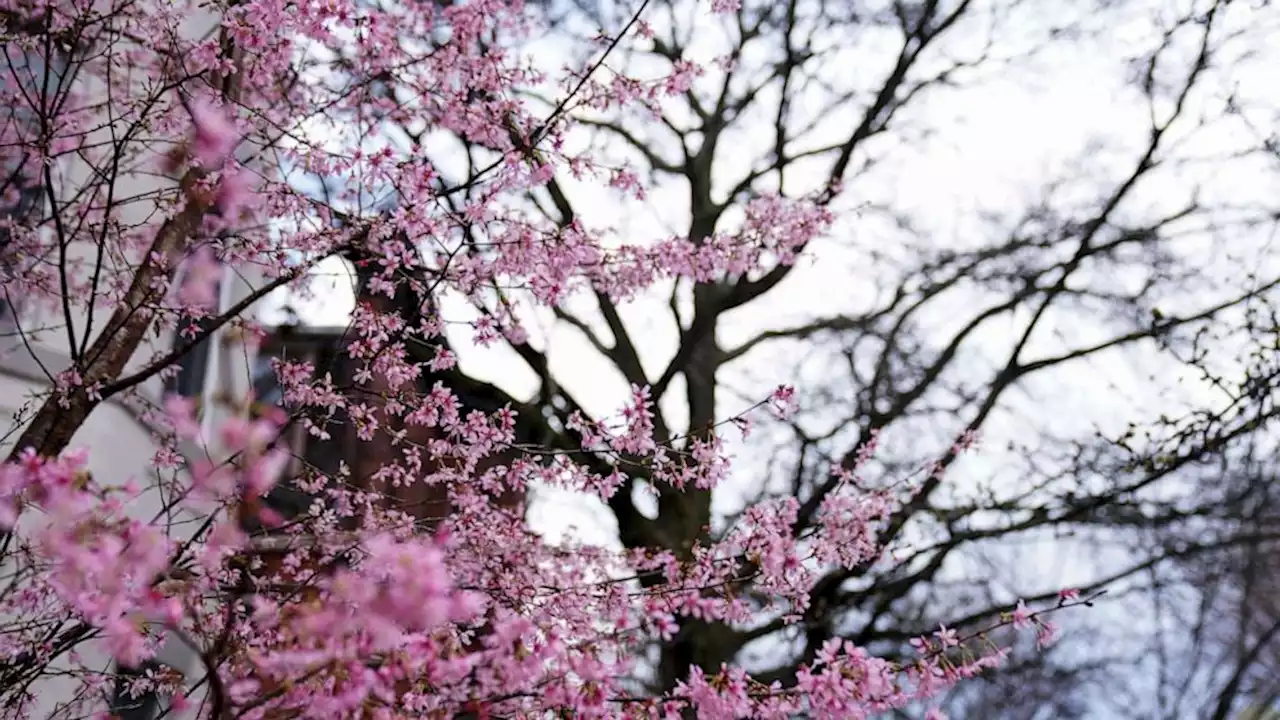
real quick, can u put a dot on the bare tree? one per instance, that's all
(1213, 652)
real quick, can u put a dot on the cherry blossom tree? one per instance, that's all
(151, 146)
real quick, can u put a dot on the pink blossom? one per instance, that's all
(234, 194)
(967, 441)
(1046, 634)
(402, 580)
(214, 134)
(783, 400)
(181, 413)
(1021, 615)
(202, 273)
(682, 77)
(947, 636)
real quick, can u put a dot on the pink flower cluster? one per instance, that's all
(90, 558)
(352, 608)
(391, 620)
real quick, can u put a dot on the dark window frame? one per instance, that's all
(48, 71)
(193, 376)
(319, 349)
(31, 195)
(143, 706)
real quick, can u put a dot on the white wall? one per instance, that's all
(121, 447)
(142, 193)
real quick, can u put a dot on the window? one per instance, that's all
(21, 188)
(195, 368)
(130, 704)
(20, 202)
(312, 454)
(283, 497)
(325, 349)
(31, 84)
